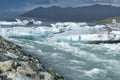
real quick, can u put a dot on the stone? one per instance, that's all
(18, 64)
(3, 57)
(25, 58)
(39, 67)
(25, 68)
(6, 44)
(26, 71)
(37, 61)
(3, 78)
(51, 71)
(47, 76)
(6, 66)
(18, 76)
(56, 75)
(37, 77)
(3, 75)
(12, 55)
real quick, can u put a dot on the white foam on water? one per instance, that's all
(94, 71)
(112, 47)
(76, 62)
(76, 51)
(73, 60)
(55, 54)
(73, 65)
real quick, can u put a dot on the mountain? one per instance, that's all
(108, 20)
(12, 8)
(78, 3)
(87, 13)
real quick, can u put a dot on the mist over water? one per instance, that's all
(75, 61)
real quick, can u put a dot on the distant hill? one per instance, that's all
(87, 13)
(108, 20)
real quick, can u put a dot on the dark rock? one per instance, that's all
(16, 64)
(42, 76)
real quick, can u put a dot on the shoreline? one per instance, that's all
(17, 64)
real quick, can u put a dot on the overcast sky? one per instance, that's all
(16, 7)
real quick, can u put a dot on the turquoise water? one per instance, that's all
(75, 61)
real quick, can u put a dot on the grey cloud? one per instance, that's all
(43, 2)
(76, 3)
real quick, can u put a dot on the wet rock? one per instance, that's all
(40, 67)
(12, 55)
(47, 76)
(6, 44)
(37, 61)
(55, 74)
(3, 57)
(58, 77)
(25, 58)
(25, 68)
(6, 65)
(3, 75)
(17, 64)
(37, 78)
(51, 71)
(4, 78)
(18, 76)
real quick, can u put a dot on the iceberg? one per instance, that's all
(64, 32)
(21, 22)
(66, 26)
(96, 34)
(32, 33)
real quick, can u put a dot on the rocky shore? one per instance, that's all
(16, 64)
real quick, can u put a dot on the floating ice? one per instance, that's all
(36, 33)
(75, 61)
(62, 32)
(21, 22)
(66, 26)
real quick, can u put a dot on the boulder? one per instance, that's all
(6, 44)
(25, 58)
(36, 77)
(3, 57)
(46, 76)
(12, 55)
(25, 68)
(51, 71)
(18, 76)
(17, 64)
(6, 66)
(55, 74)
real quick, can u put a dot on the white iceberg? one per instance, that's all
(21, 22)
(88, 34)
